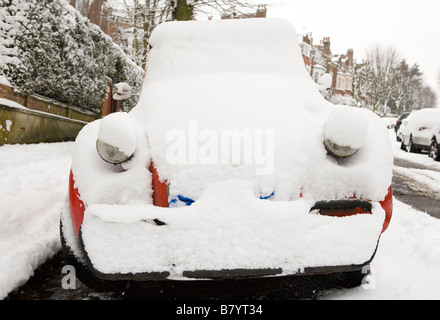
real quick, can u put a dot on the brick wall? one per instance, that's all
(27, 126)
(36, 102)
(44, 120)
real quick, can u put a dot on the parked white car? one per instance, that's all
(434, 147)
(399, 134)
(418, 132)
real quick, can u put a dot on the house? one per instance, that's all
(319, 60)
(97, 11)
(344, 73)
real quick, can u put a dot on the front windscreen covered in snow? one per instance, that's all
(227, 46)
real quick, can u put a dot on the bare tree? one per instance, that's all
(381, 63)
(362, 82)
(136, 19)
(423, 97)
(406, 81)
(395, 85)
(188, 9)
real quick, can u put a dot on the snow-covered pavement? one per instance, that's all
(33, 185)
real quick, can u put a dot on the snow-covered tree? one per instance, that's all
(134, 21)
(59, 54)
(381, 63)
(396, 86)
(406, 80)
(421, 98)
(12, 15)
(362, 83)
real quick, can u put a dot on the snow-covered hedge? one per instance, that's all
(49, 48)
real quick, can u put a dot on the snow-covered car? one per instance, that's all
(399, 134)
(418, 132)
(434, 147)
(397, 126)
(232, 165)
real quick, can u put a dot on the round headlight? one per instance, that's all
(346, 131)
(116, 141)
(111, 154)
(339, 151)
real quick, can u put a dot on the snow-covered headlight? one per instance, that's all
(116, 141)
(345, 132)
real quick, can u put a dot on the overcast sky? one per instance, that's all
(411, 26)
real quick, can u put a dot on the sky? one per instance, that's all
(410, 26)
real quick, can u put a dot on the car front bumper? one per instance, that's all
(273, 239)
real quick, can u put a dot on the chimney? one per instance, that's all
(306, 39)
(326, 43)
(350, 56)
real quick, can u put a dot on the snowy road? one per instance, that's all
(33, 183)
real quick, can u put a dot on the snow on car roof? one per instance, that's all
(422, 118)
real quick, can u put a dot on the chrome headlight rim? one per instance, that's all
(110, 153)
(339, 151)
(345, 131)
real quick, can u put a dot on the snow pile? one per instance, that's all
(347, 127)
(4, 81)
(117, 130)
(12, 104)
(227, 228)
(102, 182)
(33, 185)
(406, 264)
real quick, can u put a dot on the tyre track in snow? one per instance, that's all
(415, 184)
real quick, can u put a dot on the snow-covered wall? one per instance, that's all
(21, 125)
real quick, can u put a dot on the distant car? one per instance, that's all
(231, 166)
(434, 147)
(418, 132)
(399, 122)
(399, 134)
